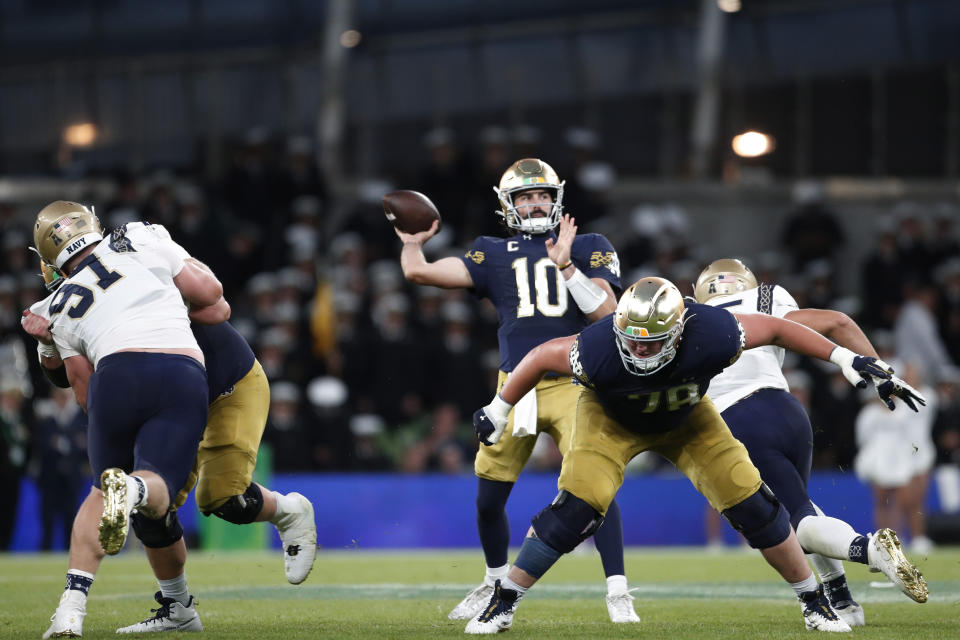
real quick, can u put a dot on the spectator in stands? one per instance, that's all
(59, 463)
(946, 437)
(14, 441)
(917, 334)
(812, 230)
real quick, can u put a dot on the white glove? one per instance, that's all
(858, 369)
(490, 421)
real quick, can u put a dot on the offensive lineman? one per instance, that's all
(239, 400)
(753, 398)
(528, 278)
(645, 373)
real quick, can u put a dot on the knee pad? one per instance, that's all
(242, 509)
(760, 518)
(158, 533)
(567, 522)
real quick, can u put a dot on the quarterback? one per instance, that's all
(545, 282)
(644, 373)
(753, 398)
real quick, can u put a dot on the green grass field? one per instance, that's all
(681, 593)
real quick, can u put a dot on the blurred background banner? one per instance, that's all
(818, 140)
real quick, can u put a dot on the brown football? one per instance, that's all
(409, 211)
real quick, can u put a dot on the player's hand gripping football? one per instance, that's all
(418, 238)
(895, 387)
(490, 421)
(859, 369)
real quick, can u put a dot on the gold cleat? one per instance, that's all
(115, 519)
(886, 554)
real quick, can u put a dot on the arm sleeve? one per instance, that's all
(57, 377)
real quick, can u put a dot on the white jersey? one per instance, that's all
(757, 368)
(124, 298)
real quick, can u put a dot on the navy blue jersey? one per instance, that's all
(227, 355)
(712, 340)
(529, 291)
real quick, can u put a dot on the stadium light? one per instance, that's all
(752, 144)
(729, 6)
(80, 135)
(350, 38)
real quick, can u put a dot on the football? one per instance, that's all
(409, 211)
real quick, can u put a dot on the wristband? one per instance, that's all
(499, 408)
(47, 350)
(565, 265)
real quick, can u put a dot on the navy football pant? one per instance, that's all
(147, 411)
(776, 431)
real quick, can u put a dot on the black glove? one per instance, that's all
(895, 387)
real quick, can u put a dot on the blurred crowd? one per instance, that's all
(370, 373)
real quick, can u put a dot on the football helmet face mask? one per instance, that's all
(650, 310)
(530, 173)
(723, 278)
(62, 229)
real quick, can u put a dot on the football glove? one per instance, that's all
(895, 387)
(858, 369)
(490, 421)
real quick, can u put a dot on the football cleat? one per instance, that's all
(298, 535)
(497, 616)
(838, 593)
(620, 608)
(171, 616)
(67, 620)
(885, 554)
(473, 603)
(818, 614)
(117, 506)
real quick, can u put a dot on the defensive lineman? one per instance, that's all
(753, 398)
(239, 400)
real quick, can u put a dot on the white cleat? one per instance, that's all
(885, 554)
(497, 615)
(850, 612)
(298, 535)
(620, 608)
(818, 615)
(67, 620)
(117, 506)
(473, 603)
(171, 616)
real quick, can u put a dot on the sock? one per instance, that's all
(830, 537)
(826, 568)
(286, 505)
(609, 542)
(175, 588)
(492, 523)
(78, 585)
(616, 585)
(496, 573)
(507, 583)
(536, 557)
(858, 550)
(137, 487)
(837, 589)
(804, 586)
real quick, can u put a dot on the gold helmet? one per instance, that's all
(529, 173)
(62, 229)
(722, 278)
(650, 310)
